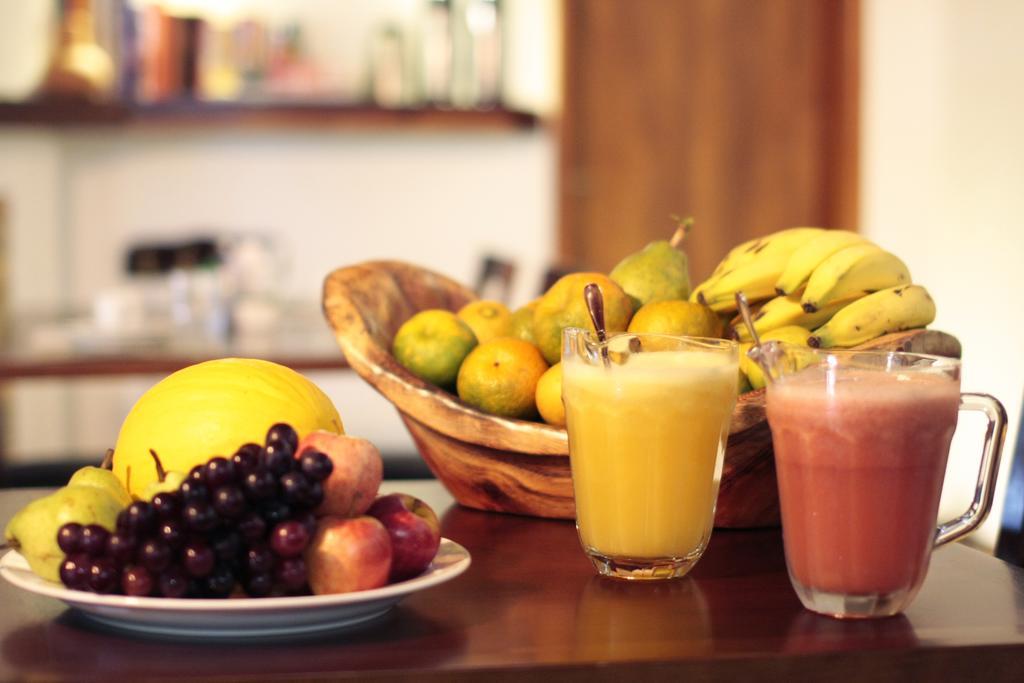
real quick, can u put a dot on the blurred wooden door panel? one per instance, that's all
(741, 113)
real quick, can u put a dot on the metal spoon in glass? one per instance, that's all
(595, 306)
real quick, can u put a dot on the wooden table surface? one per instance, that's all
(530, 607)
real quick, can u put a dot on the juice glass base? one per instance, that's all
(642, 569)
(845, 606)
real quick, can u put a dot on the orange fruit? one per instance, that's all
(549, 396)
(432, 345)
(677, 317)
(487, 319)
(500, 377)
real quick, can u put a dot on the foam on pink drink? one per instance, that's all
(860, 461)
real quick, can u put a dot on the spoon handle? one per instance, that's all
(595, 305)
(741, 303)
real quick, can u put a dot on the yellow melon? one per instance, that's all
(211, 409)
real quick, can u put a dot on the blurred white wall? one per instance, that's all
(942, 185)
(328, 200)
(31, 181)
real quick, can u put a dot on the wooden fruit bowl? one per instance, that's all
(504, 465)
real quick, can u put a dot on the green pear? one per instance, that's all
(102, 479)
(658, 272)
(563, 305)
(33, 531)
(166, 482)
(169, 484)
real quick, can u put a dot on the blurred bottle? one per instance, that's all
(218, 77)
(476, 53)
(81, 68)
(198, 283)
(389, 78)
(485, 23)
(250, 49)
(437, 52)
(291, 74)
(254, 267)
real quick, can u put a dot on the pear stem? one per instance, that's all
(161, 473)
(682, 229)
(595, 306)
(108, 460)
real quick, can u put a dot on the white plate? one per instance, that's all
(241, 617)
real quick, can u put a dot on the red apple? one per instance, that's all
(358, 470)
(414, 530)
(348, 554)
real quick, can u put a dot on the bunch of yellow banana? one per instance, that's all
(836, 283)
(753, 267)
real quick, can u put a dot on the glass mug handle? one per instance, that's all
(985, 487)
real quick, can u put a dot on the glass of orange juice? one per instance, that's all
(648, 418)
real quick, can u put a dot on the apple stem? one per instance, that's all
(161, 473)
(108, 460)
(683, 227)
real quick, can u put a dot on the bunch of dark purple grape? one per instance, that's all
(239, 522)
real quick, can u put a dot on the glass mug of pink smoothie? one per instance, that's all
(861, 440)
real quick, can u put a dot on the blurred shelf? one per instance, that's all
(303, 116)
(69, 346)
(83, 365)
